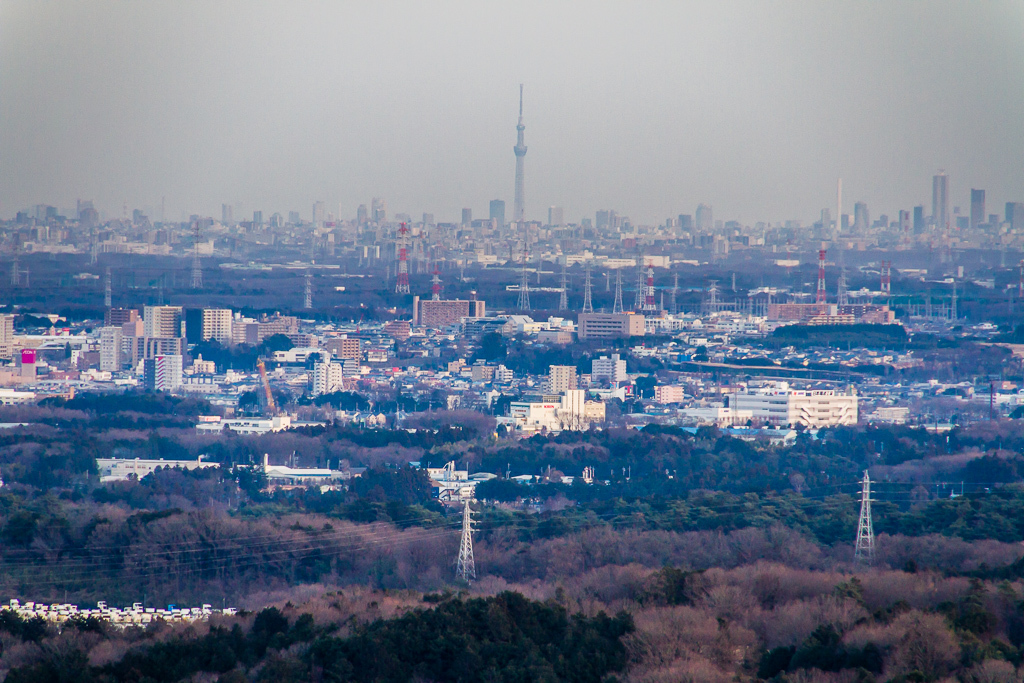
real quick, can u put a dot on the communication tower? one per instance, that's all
(649, 304)
(402, 286)
(435, 284)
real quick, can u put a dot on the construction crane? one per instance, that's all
(268, 397)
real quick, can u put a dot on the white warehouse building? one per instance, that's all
(778, 404)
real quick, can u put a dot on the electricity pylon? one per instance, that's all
(524, 287)
(563, 299)
(865, 548)
(588, 302)
(466, 569)
(617, 306)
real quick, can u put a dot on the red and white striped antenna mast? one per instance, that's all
(402, 285)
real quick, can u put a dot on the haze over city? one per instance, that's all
(478, 342)
(754, 108)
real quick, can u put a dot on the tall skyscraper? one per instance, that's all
(977, 208)
(225, 214)
(257, 219)
(498, 211)
(861, 219)
(1015, 215)
(705, 219)
(918, 220)
(319, 214)
(362, 215)
(556, 216)
(940, 201)
(519, 206)
(378, 210)
(467, 216)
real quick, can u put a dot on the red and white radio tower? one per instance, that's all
(435, 287)
(649, 305)
(821, 277)
(402, 287)
(886, 277)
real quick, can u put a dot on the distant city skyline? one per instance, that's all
(755, 109)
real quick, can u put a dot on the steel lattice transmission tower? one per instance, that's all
(197, 270)
(107, 293)
(865, 548)
(519, 206)
(588, 302)
(617, 306)
(307, 300)
(563, 299)
(638, 300)
(524, 287)
(402, 285)
(466, 568)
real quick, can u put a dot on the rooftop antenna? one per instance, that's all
(524, 286)
(865, 547)
(617, 306)
(588, 304)
(466, 567)
(563, 299)
(197, 270)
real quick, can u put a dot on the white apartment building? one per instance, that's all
(111, 359)
(669, 393)
(611, 369)
(327, 378)
(778, 404)
(163, 373)
(162, 321)
(217, 324)
(561, 378)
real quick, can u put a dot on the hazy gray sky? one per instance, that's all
(647, 108)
